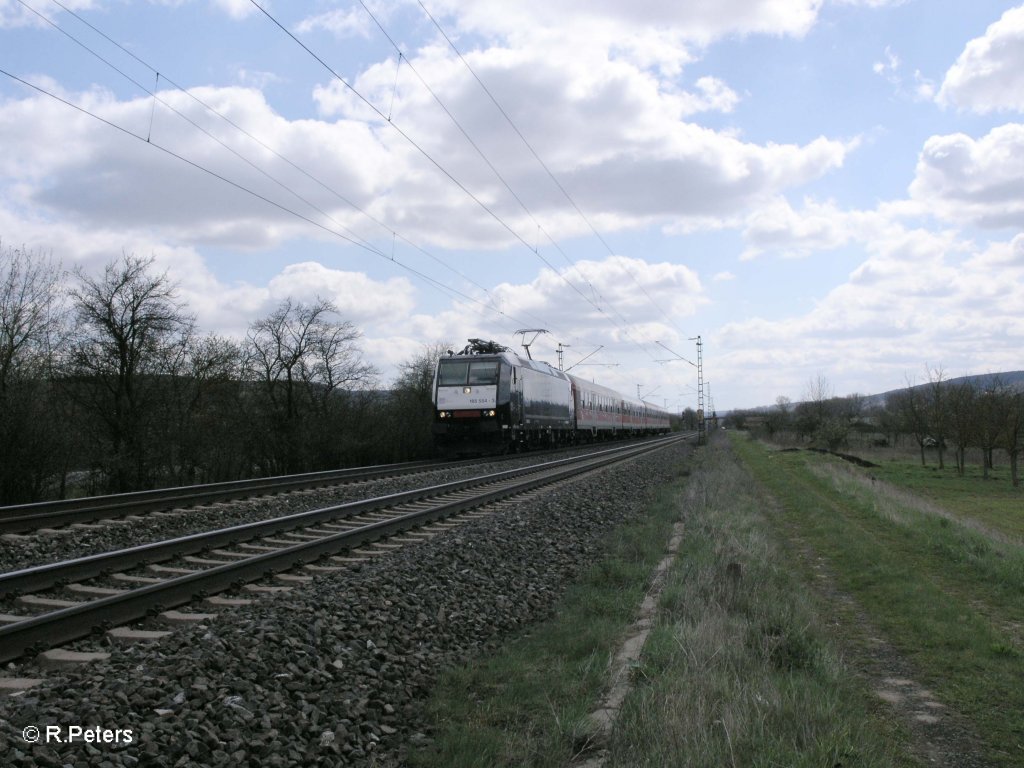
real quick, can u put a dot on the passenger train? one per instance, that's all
(487, 399)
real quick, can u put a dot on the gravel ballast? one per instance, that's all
(334, 672)
(24, 551)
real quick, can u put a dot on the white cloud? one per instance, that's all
(612, 134)
(14, 14)
(613, 130)
(358, 297)
(624, 304)
(616, 300)
(888, 67)
(220, 307)
(989, 75)
(689, 19)
(236, 9)
(919, 296)
(713, 96)
(340, 22)
(72, 165)
(258, 79)
(921, 89)
(818, 226)
(869, 3)
(971, 181)
(646, 166)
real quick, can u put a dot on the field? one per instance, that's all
(818, 613)
(931, 565)
(991, 501)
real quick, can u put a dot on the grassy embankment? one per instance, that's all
(993, 502)
(737, 671)
(942, 581)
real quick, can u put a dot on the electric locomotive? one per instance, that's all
(489, 398)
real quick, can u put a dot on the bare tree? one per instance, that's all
(304, 360)
(279, 345)
(411, 410)
(810, 413)
(131, 328)
(825, 417)
(818, 392)
(912, 407)
(937, 415)
(209, 412)
(961, 404)
(335, 362)
(777, 418)
(31, 313)
(31, 326)
(992, 413)
(1013, 434)
(888, 419)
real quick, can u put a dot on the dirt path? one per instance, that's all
(939, 736)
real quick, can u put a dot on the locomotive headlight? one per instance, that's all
(467, 390)
(489, 413)
(444, 414)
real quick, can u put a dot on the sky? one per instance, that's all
(818, 189)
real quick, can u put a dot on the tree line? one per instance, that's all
(941, 416)
(107, 385)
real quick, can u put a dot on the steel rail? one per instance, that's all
(75, 622)
(23, 518)
(44, 576)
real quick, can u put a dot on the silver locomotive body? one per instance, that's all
(489, 399)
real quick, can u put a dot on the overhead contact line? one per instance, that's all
(415, 145)
(339, 196)
(541, 162)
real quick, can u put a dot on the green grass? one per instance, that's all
(739, 671)
(946, 595)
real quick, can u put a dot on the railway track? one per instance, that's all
(24, 518)
(39, 516)
(132, 584)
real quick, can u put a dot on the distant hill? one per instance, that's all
(1012, 379)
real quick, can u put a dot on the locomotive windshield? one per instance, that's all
(453, 373)
(483, 373)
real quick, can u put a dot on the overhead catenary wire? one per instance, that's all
(394, 234)
(540, 160)
(242, 188)
(483, 156)
(355, 240)
(353, 237)
(413, 143)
